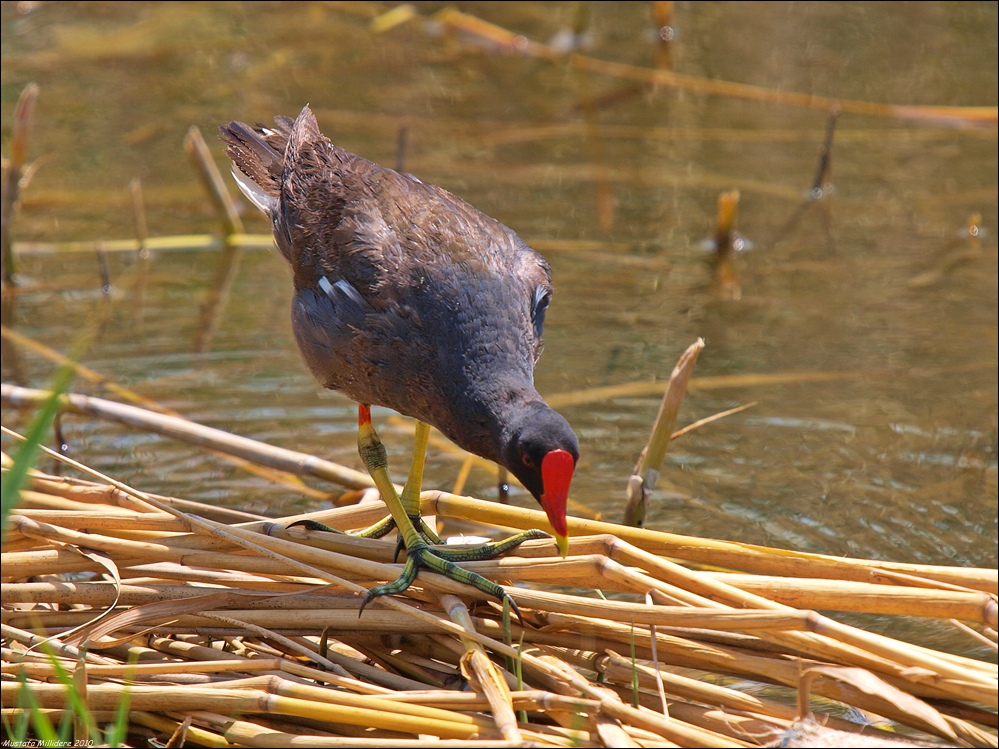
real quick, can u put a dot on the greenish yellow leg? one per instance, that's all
(375, 459)
(410, 493)
(411, 501)
(414, 483)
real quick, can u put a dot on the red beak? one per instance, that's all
(556, 475)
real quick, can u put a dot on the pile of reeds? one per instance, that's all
(213, 627)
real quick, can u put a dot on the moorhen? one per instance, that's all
(408, 297)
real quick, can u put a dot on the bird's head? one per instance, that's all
(542, 452)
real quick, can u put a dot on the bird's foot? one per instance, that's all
(437, 559)
(491, 550)
(429, 558)
(382, 528)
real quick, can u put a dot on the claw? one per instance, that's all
(516, 609)
(313, 525)
(368, 598)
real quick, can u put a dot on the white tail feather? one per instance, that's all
(254, 194)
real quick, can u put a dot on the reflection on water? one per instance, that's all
(618, 182)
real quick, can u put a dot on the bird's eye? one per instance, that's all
(542, 297)
(528, 461)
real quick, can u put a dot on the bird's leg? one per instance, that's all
(419, 553)
(375, 460)
(410, 496)
(411, 502)
(411, 491)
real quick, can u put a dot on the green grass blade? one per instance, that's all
(14, 479)
(117, 732)
(43, 726)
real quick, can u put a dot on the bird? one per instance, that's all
(407, 297)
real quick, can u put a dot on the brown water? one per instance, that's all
(896, 460)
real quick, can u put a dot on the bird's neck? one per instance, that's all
(492, 416)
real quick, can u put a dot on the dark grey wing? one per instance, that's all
(326, 320)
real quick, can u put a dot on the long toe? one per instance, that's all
(399, 585)
(491, 550)
(312, 525)
(430, 558)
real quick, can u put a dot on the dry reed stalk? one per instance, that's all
(373, 549)
(845, 595)
(668, 616)
(166, 572)
(282, 686)
(309, 620)
(12, 714)
(53, 645)
(180, 732)
(239, 701)
(752, 730)
(643, 480)
(700, 655)
(176, 427)
(201, 158)
(850, 636)
(266, 594)
(246, 733)
(611, 704)
(432, 675)
(482, 674)
(181, 242)
(159, 551)
(115, 520)
(619, 669)
(378, 682)
(41, 501)
(736, 556)
(86, 494)
(990, 644)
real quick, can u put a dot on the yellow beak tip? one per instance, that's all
(563, 545)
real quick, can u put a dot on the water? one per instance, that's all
(895, 460)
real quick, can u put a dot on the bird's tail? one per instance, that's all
(258, 156)
(263, 158)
